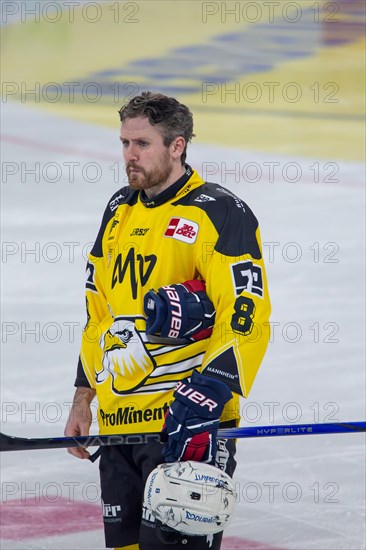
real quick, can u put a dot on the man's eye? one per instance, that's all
(143, 143)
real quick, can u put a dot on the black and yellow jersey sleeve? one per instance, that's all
(192, 230)
(233, 269)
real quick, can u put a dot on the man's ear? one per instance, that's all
(177, 147)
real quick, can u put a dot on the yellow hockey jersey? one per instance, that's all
(191, 230)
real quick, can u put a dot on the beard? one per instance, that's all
(147, 179)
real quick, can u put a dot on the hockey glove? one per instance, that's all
(193, 418)
(180, 311)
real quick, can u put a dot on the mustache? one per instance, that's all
(131, 165)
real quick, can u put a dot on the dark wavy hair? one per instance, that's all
(172, 118)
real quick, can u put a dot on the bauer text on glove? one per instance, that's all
(193, 419)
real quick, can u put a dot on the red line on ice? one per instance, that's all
(237, 543)
(37, 518)
(44, 517)
(56, 148)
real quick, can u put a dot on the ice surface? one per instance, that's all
(305, 493)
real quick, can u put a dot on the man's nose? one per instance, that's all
(130, 153)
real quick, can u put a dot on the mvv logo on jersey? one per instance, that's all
(182, 230)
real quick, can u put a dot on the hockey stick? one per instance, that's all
(12, 443)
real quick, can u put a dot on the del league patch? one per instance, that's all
(182, 230)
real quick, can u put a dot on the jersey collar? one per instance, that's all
(168, 193)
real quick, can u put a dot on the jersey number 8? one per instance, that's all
(242, 319)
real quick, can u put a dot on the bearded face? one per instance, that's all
(153, 176)
(150, 165)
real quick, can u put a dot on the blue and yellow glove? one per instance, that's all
(193, 419)
(180, 311)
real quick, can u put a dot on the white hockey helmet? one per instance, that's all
(193, 498)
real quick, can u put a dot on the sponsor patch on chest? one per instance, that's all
(182, 230)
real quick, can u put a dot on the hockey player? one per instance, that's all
(177, 321)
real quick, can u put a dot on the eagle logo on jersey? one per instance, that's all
(125, 358)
